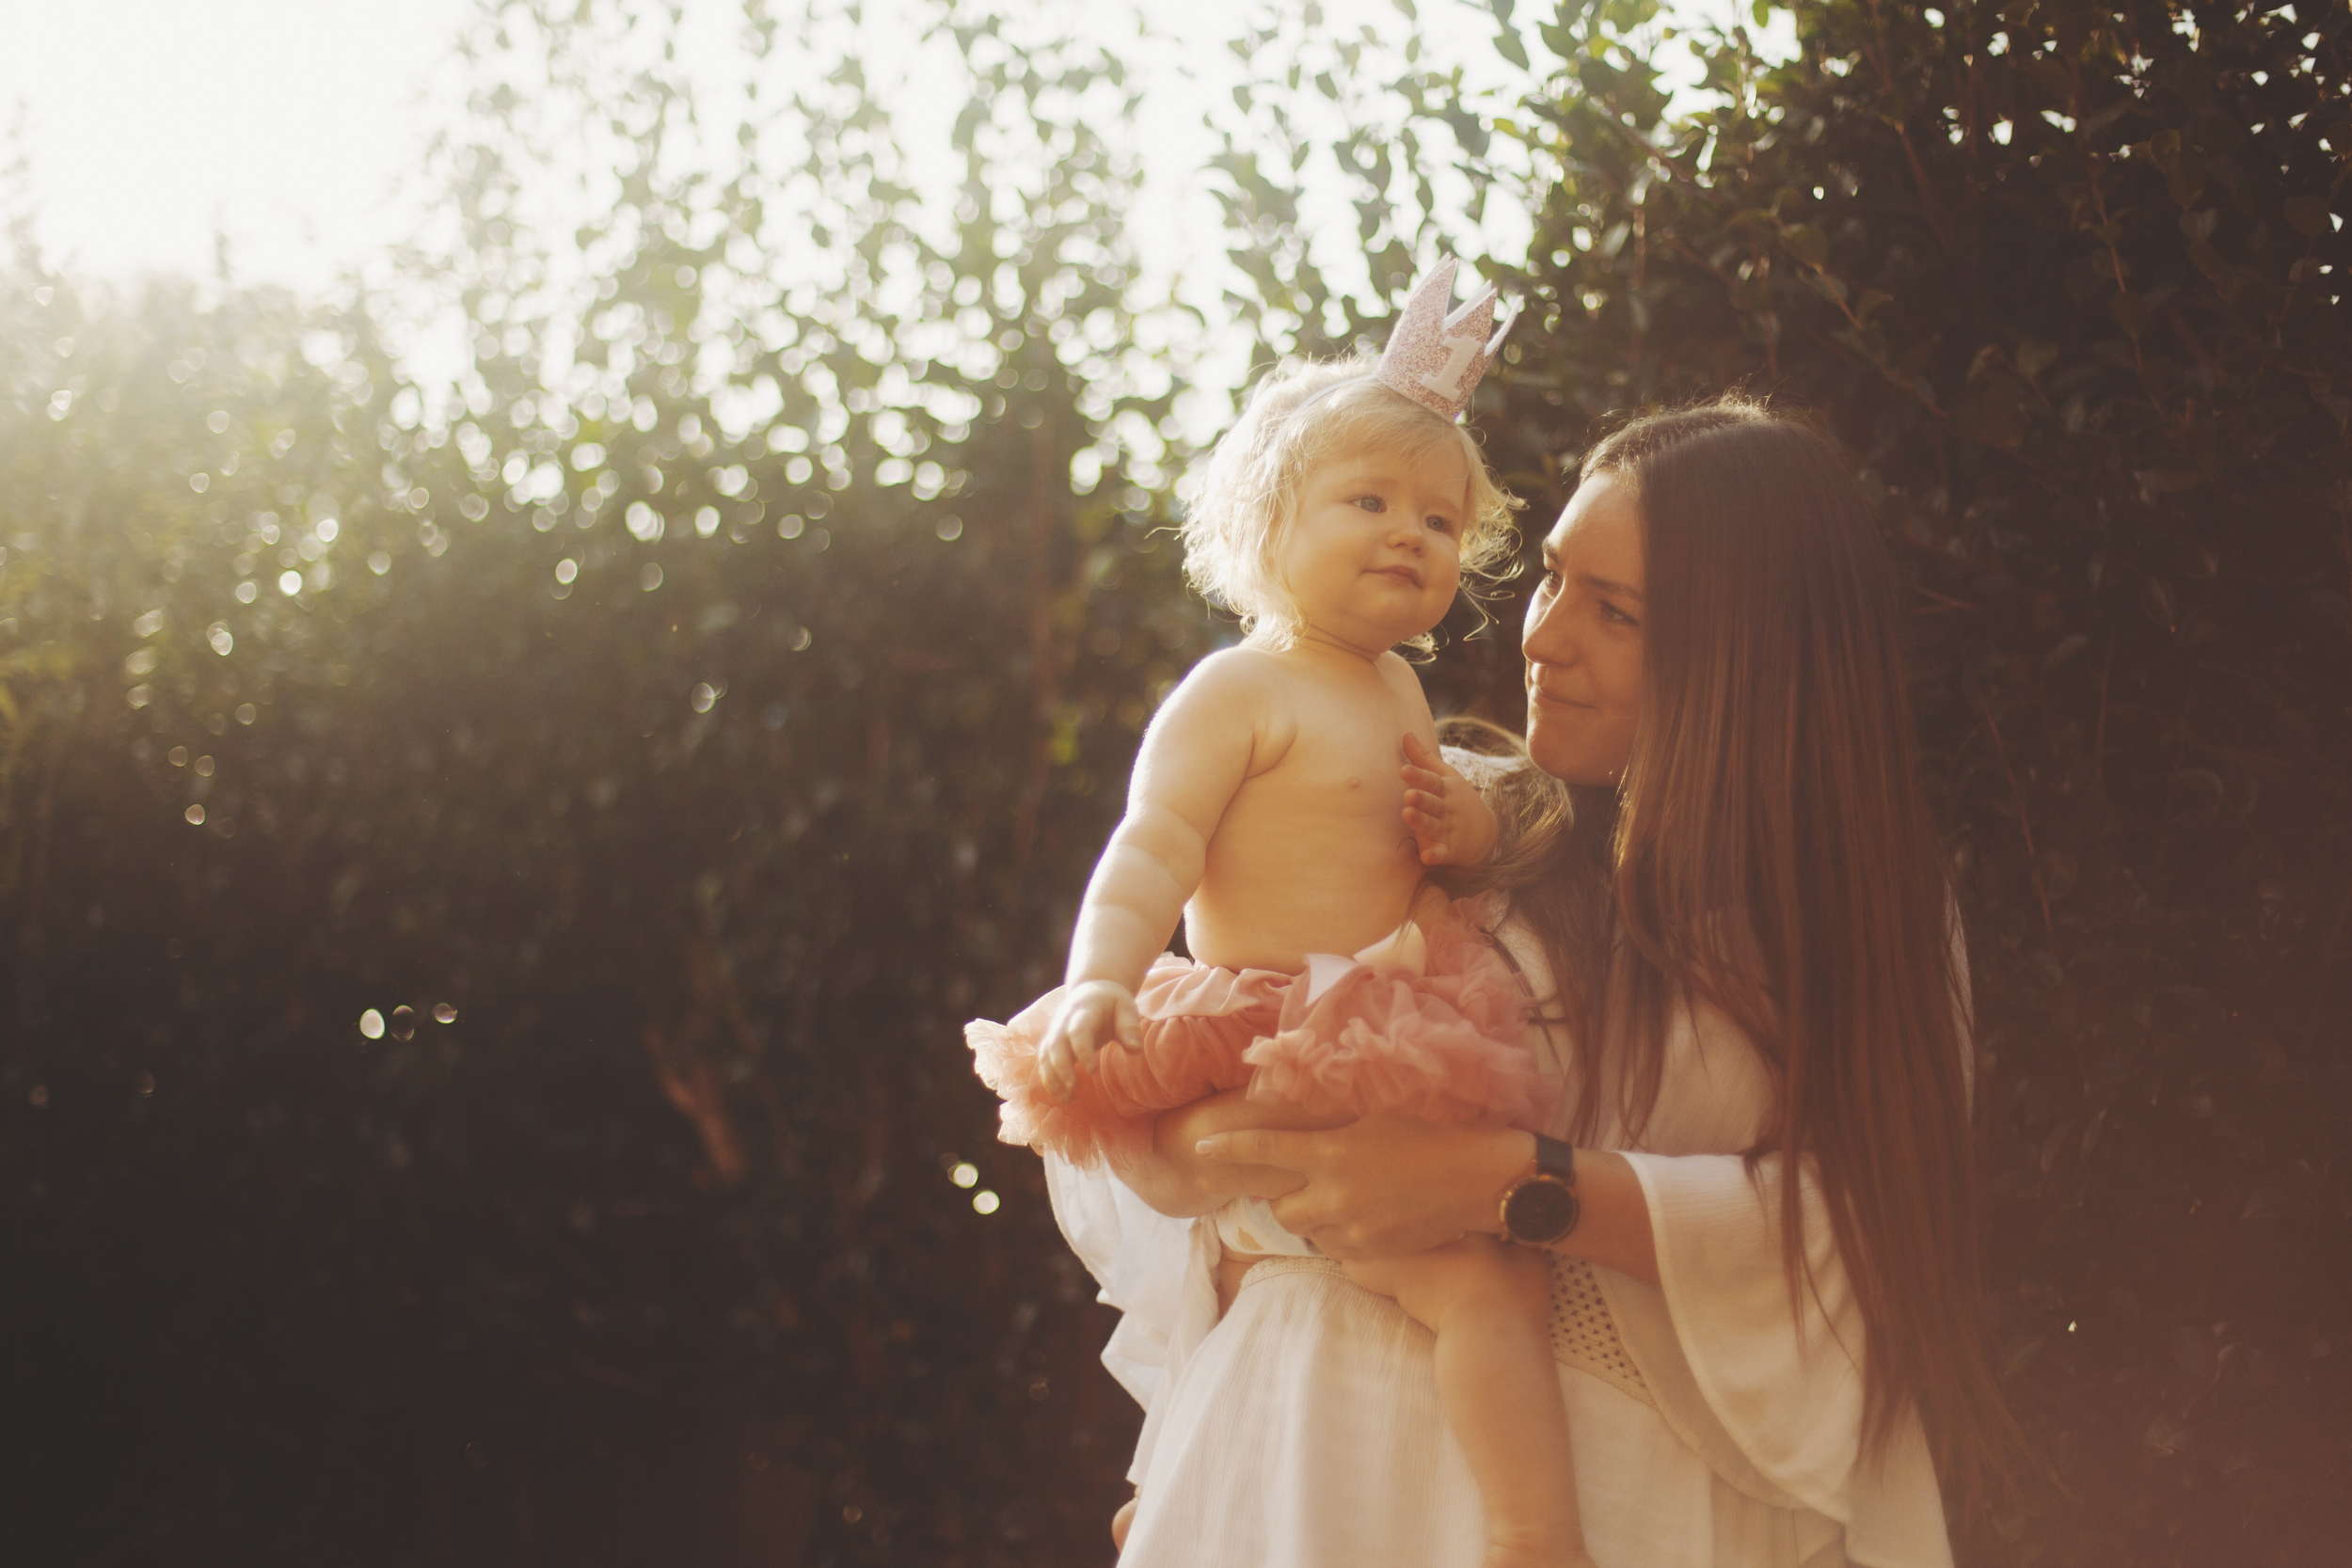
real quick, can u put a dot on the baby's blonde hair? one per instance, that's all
(1299, 416)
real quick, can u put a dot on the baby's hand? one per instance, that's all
(1092, 1014)
(1448, 820)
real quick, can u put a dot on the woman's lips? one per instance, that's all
(1539, 694)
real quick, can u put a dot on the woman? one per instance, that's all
(1726, 883)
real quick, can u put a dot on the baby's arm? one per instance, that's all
(1195, 755)
(1450, 821)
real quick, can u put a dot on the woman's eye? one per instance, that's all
(1614, 616)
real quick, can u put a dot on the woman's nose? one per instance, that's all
(1548, 638)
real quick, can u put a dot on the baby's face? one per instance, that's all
(1374, 555)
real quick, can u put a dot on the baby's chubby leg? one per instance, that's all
(1489, 1305)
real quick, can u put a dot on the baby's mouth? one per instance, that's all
(1403, 574)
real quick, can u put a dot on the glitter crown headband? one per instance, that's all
(1437, 359)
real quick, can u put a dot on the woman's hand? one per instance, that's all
(1389, 1186)
(1176, 1180)
(1450, 821)
(1385, 1186)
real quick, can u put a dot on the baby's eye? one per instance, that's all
(1371, 503)
(1443, 525)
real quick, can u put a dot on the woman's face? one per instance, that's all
(1583, 637)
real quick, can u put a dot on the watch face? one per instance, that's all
(1540, 1210)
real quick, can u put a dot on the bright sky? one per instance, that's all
(153, 125)
(280, 122)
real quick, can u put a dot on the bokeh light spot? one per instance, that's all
(194, 816)
(950, 529)
(444, 1013)
(704, 699)
(566, 569)
(649, 577)
(246, 713)
(984, 1202)
(403, 1022)
(965, 1175)
(248, 591)
(290, 584)
(371, 1024)
(379, 563)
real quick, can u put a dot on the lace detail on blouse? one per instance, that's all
(1583, 1333)
(1584, 1336)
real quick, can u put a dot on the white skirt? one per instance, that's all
(1304, 1431)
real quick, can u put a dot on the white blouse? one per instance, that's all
(1714, 1423)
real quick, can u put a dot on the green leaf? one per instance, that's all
(2130, 311)
(1806, 243)
(2309, 215)
(2034, 357)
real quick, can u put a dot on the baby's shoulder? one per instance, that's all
(1399, 676)
(1233, 672)
(1231, 687)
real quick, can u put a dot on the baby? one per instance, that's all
(1337, 518)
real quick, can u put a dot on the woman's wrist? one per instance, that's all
(1498, 1161)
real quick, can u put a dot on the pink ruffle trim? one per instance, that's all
(1198, 1019)
(1447, 1045)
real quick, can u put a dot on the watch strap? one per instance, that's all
(1555, 1158)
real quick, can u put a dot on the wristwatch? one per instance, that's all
(1541, 1208)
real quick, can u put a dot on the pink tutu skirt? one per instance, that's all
(1443, 1040)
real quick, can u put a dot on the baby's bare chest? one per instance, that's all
(1343, 762)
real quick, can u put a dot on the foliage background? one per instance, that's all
(721, 694)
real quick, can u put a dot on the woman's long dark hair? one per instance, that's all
(1770, 852)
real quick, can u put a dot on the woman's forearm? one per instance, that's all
(1390, 1185)
(1612, 1228)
